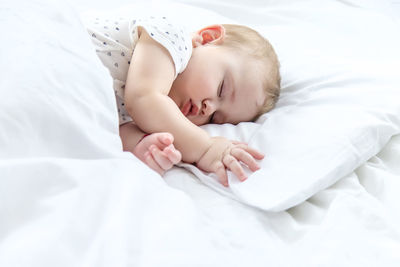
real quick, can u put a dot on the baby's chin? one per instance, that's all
(196, 122)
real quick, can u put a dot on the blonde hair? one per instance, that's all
(256, 46)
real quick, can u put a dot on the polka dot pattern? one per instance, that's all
(115, 40)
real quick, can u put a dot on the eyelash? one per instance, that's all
(221, 88)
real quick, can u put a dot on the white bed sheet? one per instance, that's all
(63, 208)
(355, 222)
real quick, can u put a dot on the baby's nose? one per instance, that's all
(206, 108)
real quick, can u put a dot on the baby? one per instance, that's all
(168, 82)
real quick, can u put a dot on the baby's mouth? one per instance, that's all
(189, 109)
(194, 110)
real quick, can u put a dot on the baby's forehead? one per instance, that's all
(249, 74)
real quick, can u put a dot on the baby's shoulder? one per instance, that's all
(171, 34)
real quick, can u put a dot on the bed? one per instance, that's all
(328, 190)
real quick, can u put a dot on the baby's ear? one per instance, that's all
(213, 34)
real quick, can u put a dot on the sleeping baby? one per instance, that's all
(168, 82)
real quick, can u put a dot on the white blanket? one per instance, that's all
(69, 196)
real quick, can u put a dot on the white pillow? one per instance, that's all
(339, 103)
(56, 97)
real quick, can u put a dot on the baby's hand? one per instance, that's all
(158, 152)
(225, 154)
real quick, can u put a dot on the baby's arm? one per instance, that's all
(156, 150)
(150, 77)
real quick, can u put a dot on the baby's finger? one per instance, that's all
(153, 164)
(173, 154)
(253, 152)
(246, 158)
(220, 171)
(161, 159)
(238, 142)
(165, 138)
(235, 167)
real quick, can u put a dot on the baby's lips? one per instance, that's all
(194, 110)
(186, 108)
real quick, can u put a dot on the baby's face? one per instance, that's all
(218, 86)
